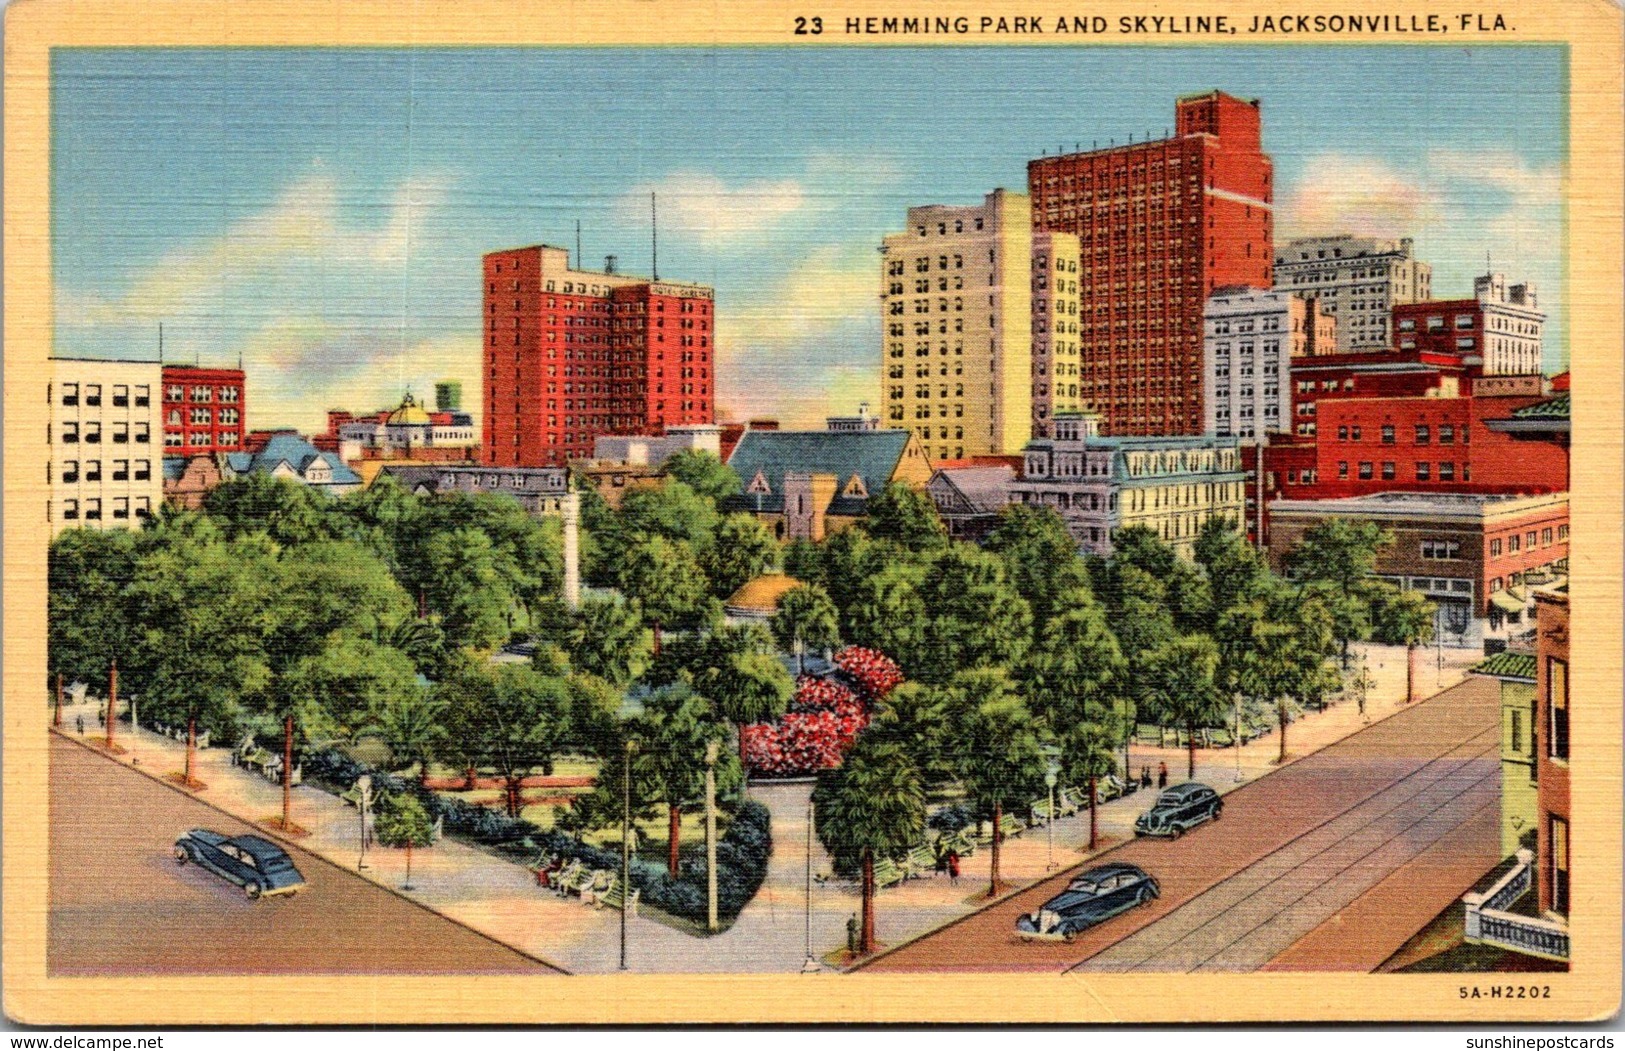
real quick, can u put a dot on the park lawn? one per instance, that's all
(652, 833)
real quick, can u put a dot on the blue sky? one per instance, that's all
(321, 213)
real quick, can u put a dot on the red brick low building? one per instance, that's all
(1552, 753)
(1477, 556)
(204, 410)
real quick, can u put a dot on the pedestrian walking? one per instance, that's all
(939, 855)
(1162, 775)
(953, 868)
(101, 716)
(1145, 777)
(81, 721)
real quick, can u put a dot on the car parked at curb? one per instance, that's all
(257, 865)
(1179, 809)
(1091, 898)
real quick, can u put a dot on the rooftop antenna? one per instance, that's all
(160, 342)
(654, 241)
(578, 242)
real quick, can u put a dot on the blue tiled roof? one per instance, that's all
(871, 455)
(297, 453)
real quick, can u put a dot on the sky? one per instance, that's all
(321, 213)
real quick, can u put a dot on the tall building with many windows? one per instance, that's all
(1161, 225)
(105, 468)
(1250, 337)
(978, 341)
(571, 354)
(204, 410)
(1358, 280)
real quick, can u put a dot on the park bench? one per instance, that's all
(579, 883)
(888, 873)
(920, 862)
(570, 873)
(1076, 798)
(352, 795)
(614, 897)
(963, 842)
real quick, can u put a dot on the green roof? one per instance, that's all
(1556, 408)
(1508, 665)
(872, 455)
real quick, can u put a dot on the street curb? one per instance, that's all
(263, 830)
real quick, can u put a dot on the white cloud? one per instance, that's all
(1342, 193)
(713, 213)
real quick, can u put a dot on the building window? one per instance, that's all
(1546, 537)
(1342, 468)
(1365, 470)
(1557, 700)
(1388, 470)
(1388, 434)
(143, 395)
(93, 394)
(1441, 550)
(1422, 434)
(70, 510)
(1514, 543)
(1447, 434)
(1424, 471)
(121, 395)
(1447, 471)
(1495, 549)
(1560, 865)
(70, 396)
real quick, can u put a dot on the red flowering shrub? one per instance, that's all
(874, 672)
(824, 719)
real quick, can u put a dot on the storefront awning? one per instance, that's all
(1506, 603)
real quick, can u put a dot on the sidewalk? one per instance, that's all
(501, 899)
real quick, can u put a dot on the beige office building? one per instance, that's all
(106, 460)
(961, 307)
(1358, 280)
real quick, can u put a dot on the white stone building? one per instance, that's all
(1249, 338)
(1358, 280)
(106, 463)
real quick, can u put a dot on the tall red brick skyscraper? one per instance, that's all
(572, 354)
(1161, 225)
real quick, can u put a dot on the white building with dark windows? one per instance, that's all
(1359, 280)
(1250, 337)
(106, 460)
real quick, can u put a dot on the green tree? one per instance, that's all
(703, 473)
(806, 617)
(460, 577)
(673, 511)
(382, 517)
(1040, 556)
(663, 578)
(741, 549)
(888, 614)
(1181, 689)
(399, 820)
(1406, 618)
(871, 806)
(906, 516)
(1235, 571)
(736, 668)
(977, 619)
(288, 512)
(1001, 759)
(1137, 610)
(89, 572)
(1088, 753)
(606, 639)
(508, 718)
(1340, 556)
(922, 721)
(412, 725)
(674, 731)
(352, 679)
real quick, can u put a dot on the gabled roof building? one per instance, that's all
(807, 483)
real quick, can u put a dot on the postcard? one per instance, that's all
(658, 512)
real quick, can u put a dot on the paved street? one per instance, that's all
(1295, 853)
(120, 905)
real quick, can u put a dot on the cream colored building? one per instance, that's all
(1056, 352)
(958, 320)
(106, 456)
(1358, 280)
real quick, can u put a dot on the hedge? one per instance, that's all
(742, 852)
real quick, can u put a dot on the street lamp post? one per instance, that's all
(626, 838)
(1051, 776)
(711, 750)
(1239, 776)
(363, 801)
(809, 965)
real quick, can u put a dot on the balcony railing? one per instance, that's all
(1488, 922)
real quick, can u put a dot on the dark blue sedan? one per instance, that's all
(257, 865)
(1093, 897)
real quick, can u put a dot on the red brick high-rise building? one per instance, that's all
(572, 354)
(1162, 224)
(203, 410)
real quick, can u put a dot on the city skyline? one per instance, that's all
(284, 206)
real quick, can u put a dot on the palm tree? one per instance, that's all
(1407, 619)
(871, 806)
(411, 726)
(1002, 760)
(1179, 680)
(806, 617)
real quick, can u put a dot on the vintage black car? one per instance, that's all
(1180, 808)
(1092, 897)
(257, 865)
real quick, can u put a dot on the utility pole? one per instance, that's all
(112, 701)
(809, 965)
(711, 750)
(626, 840)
